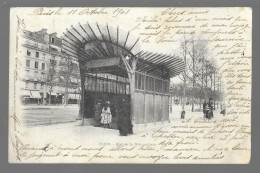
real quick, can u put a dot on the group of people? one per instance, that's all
(208, 109)
(103, 117)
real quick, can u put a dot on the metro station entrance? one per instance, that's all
(113, 65)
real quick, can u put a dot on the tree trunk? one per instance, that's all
(202, 82)
(206, 80)
(214, 92)
(193, 75)
(184, 95)
(193, 83)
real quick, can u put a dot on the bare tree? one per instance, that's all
(67, 76)
(51, 76)
(184, 52)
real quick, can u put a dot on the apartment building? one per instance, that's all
(48, 74)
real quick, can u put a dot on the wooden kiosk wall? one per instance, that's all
(151, 99)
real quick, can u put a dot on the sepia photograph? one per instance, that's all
(130, 85)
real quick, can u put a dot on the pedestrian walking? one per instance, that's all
(106, 116)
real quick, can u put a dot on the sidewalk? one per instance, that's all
(76, 127)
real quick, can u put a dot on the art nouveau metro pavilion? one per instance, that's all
(140, 75)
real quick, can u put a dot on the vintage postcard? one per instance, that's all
(130, 85)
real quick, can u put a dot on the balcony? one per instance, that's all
(35, 46)
(33, 78)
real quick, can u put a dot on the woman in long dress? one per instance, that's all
(106, 116)
(124, 122)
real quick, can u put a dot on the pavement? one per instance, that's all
(60, 117)
(70, 127)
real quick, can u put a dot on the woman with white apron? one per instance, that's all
(106, 116)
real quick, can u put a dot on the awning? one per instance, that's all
(73, 96)
(99, 46)
(35, 94)
(25, 93)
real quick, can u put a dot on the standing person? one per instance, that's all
(97, 110)
(210, 105)
(223, 110)
(106, 117)
(124, 122)
(204, 109)
(129, 122)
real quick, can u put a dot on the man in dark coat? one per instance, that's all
(204, 108)
(210, 105)
(124, 121)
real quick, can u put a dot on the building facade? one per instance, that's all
(49, 75)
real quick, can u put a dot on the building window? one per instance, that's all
(35, 85)
(52, 40)
(43, 66)
(37, 54)
(26, 85)
(42, 85)
(27, 63)
(28, 53)
(36, 65)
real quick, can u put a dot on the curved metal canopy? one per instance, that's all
(94, 42)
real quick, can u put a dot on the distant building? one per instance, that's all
(48, 73)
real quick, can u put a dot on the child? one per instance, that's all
(106, 117)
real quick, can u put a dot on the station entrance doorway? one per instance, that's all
(100, 88)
